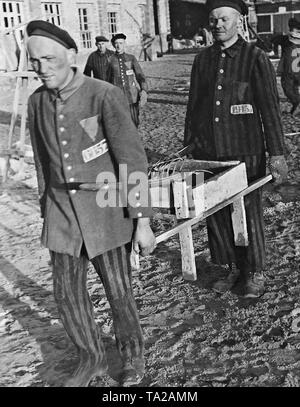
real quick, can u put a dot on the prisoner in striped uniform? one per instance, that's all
(97, 62)
(233, 113)
(125, 72)
(81, 128)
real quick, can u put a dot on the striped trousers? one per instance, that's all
(251, 258)
(76, 310)
(135, 112)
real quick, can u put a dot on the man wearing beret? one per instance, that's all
(289, 66)
(97, 62)
(125, 72)
(83, 136)
(233, 113)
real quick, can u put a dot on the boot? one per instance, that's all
(226, 283)
(132, 372)
(85, 372)
(250, 286)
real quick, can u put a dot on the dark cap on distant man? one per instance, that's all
(101, 38)
(238, 5)
(44, 29)
(117, 37)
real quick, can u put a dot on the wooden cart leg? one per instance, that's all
(181, 203)
(187, 254)
(239, 223)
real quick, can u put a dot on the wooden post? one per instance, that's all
(239, 223)
(189, 271)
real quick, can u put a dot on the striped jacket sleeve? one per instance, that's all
(267, 100)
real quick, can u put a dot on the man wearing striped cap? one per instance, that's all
(233, 113)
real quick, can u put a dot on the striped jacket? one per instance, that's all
(97, 64)
(233, 106)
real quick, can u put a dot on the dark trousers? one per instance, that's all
(249, 259)
(76, 310)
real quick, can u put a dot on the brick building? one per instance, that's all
(85, 19)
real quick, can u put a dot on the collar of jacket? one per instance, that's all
(68, 91)
(231, 51)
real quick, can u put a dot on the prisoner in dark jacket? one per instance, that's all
(125, 72)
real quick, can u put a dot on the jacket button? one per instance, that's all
(220, 87)
(138, 204)
(66, 155)
(64, 142)
(217, 119)
(139, 215)
(62, 129)
(221, 70)
(69, 167)
(223, 55)
(72, 179)
(61, 116)
(218, 103)
(73, 191)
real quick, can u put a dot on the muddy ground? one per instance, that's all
(193, 336)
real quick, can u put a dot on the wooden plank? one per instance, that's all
(239, 222)
(188, 264)
(257, 184)
(220, 188)
(180, 199)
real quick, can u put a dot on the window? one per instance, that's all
(85, 33)
(112, 22)
(11, 14)
(52, 12)
(264, 23)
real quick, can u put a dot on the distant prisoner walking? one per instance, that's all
(81, 127)
(125, 72)
(233, 114)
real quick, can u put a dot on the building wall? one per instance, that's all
(133, 17)
(273, 15)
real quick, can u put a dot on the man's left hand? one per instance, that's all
(278, 168)
(144, 239)
(143, 98)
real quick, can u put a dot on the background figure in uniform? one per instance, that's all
(233, 112)
(289, 65)
(83, 136)
(170, 43)
(125, 72)
(97, 62)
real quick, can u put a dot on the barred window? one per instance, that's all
(11, 14)
(112, 22)
(52, 12)
(264, 23)
(84, 27)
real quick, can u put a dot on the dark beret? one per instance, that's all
(238, 5)
(45, 29)
(294, 23)
(117, 37)
(101, 38)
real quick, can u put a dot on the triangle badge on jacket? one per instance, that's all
(90, 126)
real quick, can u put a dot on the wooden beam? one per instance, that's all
(219, 188)
(239, 222)
(255, 185)
(188, 263)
